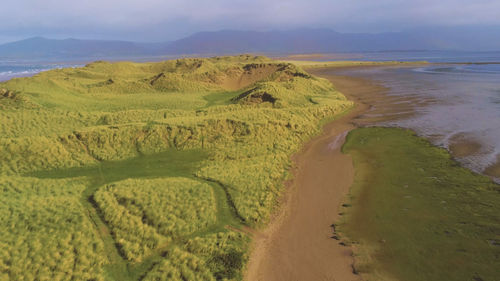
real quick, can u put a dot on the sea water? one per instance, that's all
(11, 68)
(454, 104)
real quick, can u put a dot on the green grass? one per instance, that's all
(170, 163)
(131, 176)
(157, 165)
(45, 233)
(416, 213)
(145, 214)
(220, 98)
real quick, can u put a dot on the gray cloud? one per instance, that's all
(169, 19)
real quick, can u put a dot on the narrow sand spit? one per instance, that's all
(298, 243)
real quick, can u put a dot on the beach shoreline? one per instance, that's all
(300, 242)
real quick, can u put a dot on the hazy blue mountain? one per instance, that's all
(39, 47)
(467, 38)
(292, 41)
(325, 40)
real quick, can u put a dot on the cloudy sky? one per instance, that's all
(161, 20)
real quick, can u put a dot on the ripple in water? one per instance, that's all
(9, 69)
(456, 106)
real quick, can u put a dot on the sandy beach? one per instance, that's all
(299, 243)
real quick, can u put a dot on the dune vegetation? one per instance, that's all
(416, 214)
(149, 171)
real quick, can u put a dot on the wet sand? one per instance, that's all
(462, 145)
(494, 169)
(298, 244)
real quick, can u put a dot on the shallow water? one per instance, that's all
(13, 69)
(456, 106)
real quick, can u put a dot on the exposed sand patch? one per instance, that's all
(251, 73)
(298, 243)
(463, 145)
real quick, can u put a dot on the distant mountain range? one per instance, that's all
(272, 42)
(40, 48)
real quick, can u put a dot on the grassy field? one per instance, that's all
(148, 171)
(415, 214)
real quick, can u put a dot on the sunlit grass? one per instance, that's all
(172, 158)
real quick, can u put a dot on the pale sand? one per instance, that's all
(298, 243)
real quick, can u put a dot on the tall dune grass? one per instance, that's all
(246, 113)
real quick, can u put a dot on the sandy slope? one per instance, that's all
(298, 244)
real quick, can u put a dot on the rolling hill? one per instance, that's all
(149, 171)
(43, 48)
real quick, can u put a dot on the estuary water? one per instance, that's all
(456, 106)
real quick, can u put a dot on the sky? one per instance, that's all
(165, 20)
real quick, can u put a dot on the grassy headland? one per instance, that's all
(146, 171)
(416, 214)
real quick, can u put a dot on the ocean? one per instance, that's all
(11, 69)
(23, 68)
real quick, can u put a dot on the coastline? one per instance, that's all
(299, 243)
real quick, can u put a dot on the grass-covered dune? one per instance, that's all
(416, 214)
(147, 171)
